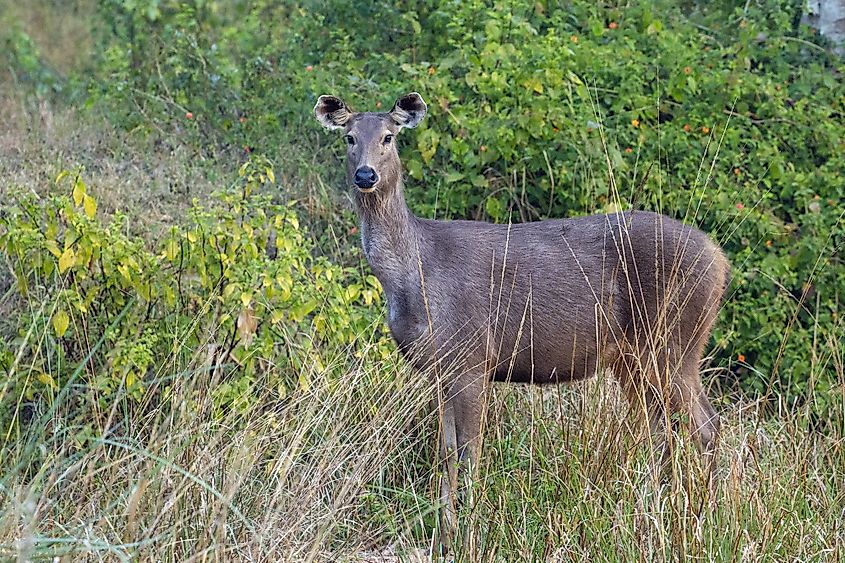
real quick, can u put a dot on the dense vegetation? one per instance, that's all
(728, 119)
(247, 315)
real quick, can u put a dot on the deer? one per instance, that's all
(544, 302)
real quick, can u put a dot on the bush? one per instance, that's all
(238, 277)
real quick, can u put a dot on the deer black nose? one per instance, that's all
(365, 177)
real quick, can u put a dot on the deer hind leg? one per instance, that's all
(668, 390)
(467, 400)
(644, 391)
(704, 425)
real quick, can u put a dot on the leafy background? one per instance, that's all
(728, 118)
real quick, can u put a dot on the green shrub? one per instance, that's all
(24, 63)
(239, 275)
(728, 118)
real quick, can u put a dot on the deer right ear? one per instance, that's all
(331, 112)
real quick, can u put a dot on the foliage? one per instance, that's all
(24, 62)
(239, 276)
(729, 119)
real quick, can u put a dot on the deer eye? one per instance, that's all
(387, 139)
(350, 140)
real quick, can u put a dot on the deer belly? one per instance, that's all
(540, 368)
(547, 356)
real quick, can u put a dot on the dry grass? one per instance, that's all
(180, 479)
(127, 174)
(343, 471)
(61, 29)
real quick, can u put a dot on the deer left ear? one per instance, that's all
(408, 110)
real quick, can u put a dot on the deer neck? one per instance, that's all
(388, 235)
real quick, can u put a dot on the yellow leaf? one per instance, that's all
(60, 322)
(61, 176)
(53, 248)
(246, 298)
(276, 316)
(171, 249)
(169, 295)
(78, 191)
(66, 260)
(534, 84)
(285, 285)
(90, 205)
(271, 176)
(304, 381)
(352, 292)
(230, 289)
(47, 380)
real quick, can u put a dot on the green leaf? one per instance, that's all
(301, 311)
(494, 208)
(479, 181)
(414, 169)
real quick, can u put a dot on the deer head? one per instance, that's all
(372, 161)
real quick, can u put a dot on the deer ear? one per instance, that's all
(331, 112)
(408, 110)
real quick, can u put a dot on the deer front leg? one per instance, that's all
(460, 444)
(467, 400)
(448, 474)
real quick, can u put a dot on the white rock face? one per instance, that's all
(828, 16)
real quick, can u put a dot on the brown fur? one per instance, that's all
(544, 302)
